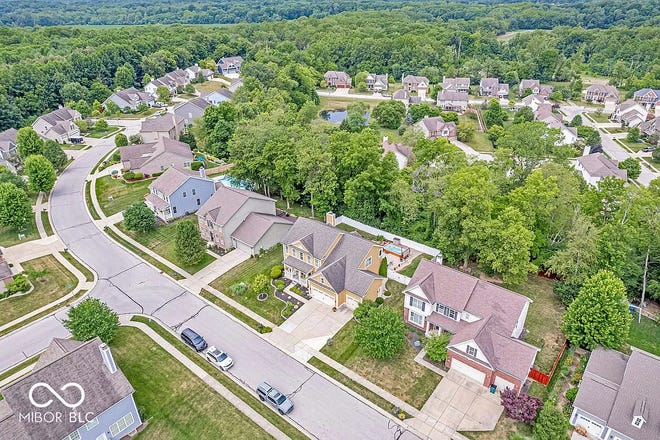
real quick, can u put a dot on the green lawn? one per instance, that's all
(414, 387)
(162, 241)
(46, 222)
(245, 272)
(481, 143)
(296, 209)
(348, 228)
(99, 133)
(123, 194)
(150, 111)
(89, 276)
(88, 200)
(600, 117)
(238, 390)
(51, 281)
(209, 86)
(505, 429)
(230, 309)
(9, 236)
(645, 335)
(74, 146)
(178, 404)
(634, 146)
(543, 319)
(19, 367)
(409, 270)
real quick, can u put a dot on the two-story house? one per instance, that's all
(535, 86)
(178, 192)
(436, 127)
(68, 373)
(647, 97)
(493, 87)
(456, 84)
(218, 96)
(58, 125)
(377, 83)
(450, 100)
(418, 84)
(337, 79)
(241, 219)
(230, 66)
(485, 321)
(155, 157)
(167, 126)
(195, 71)
(335, 266)
(8, 149)
(650, 127)
(630, 112)
(603, 93)
(129, 99)
(619, 396)
(173, 81)
(567, 135)
(191, 110)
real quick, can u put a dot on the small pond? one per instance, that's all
(338, 115)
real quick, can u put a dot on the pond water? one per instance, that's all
(338, 115)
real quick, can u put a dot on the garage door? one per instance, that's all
(352, 302)
(242, 246)
(467, 370)
(593, 427)
(326, 299)
(503, 384)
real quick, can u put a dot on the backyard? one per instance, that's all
(414, 387)
(115, 195)
(409, 270)
(176, 403)
(245, 273)
(51, 281)
(9, 236)
(209, 86)
(162, 241)
(645, 335)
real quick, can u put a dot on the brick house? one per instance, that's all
(339, 80)
(418, 84)
(601, 92)
(436, 127)
(485, 320)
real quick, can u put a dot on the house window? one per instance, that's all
(121, 424)
(92, 423)
(416, 319)
(446, 311)
(194, 191)
(380, 252)
(309, 259)
(368, 262)
(184, 194)
(198, 202)
(322, 280)
(73, 436)
(471, 351)
(209, 224)
(186, 164)
(301, 255)
(286, 248)
(102, 437)
(162, 168)
(417, 303)
(174, 209)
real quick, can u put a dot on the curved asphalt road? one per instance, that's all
(129, 285)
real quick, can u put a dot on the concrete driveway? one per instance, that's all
(314, 323)
(462, 404)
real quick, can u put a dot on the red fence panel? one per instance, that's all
(543, 378)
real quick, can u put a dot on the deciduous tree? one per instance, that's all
(92, 318)
(551, 424)
(138, 217)
(436, 346)
(390, 114)
(15, 206)
(124, 76)
(632, 166)
(381, 333)
(40, 172)
(29, 142)
(190, 247)
(55, 155)
(121, 140)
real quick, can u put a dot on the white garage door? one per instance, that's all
(593, 427)
(352, 302)
(242, 246)
(503, 384)
(467, 370)
(326, 299)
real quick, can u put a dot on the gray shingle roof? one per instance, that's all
(453, 83)
(226, 201)
(63, 362)
(8, 137)
(597, 165)
(166, 122)
(451, 95)
(172, 179)
(141, 154)
(529, 84)
(255, 226)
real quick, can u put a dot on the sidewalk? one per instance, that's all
(210, 381)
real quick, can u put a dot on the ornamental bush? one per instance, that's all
(276, 271)
(381, 333)
(196, 165)
(571, 393)
(521, 407)
(382, 270)
(436, 346)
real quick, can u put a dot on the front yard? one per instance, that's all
(51, 281)
(245, 273)
(115, 195)
(98, 133)
(162, 240)
(401, 376)
(9, 236)
(176, 403)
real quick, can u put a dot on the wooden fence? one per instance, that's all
(543, 378)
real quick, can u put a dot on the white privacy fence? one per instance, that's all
(396, 276)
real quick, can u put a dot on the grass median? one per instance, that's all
(89, 276)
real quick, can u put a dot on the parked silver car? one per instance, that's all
(279, 401)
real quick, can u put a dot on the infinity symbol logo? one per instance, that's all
(56, 395)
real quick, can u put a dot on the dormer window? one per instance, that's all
(638, 422)
(368, 262)
(471, 351)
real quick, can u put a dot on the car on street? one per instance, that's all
(277, 400)
(191, 338)
(219, 358)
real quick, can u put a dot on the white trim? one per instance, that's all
(411, 318)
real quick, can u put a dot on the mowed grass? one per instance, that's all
(645, 335)
(209, 86)
(162, 240)
(123, 194)
(46, 222)
(245, 273)
(544, 319)
(410, 269)
(9, 236)
(177, 404)
(51, 281)
(401, 376)
(505, 429)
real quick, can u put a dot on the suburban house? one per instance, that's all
(531, 101)
(619, 396)
(6, 275)
(218, 96)
(58, 125)
(650, 127)
(129, 99)
(595, 167)
(190, 110)
(544, 113)
(241, 219)
(630, 113)
(453, 101)
(402, 152)
(647, 97)
(230, 65)
(601, 92)
(155, 157)
(436, 127)
(403, 96)
(335, 266)
(493, 87)
(485, 320)
(534, 85)
(194, 72)
(339, 80)
(377, 83)
(8, 149)
(173, 81)
(456, 84)
(178, 192)
(81, 372)
(167, 126)
(418, 84)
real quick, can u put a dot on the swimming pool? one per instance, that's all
(230, 181)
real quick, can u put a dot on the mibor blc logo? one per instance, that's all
(71, 416)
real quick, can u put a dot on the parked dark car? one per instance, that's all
(76, 140)
(194, 340)
(277, 400)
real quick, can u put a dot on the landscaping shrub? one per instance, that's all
(137, 176)
(363, 310)
(296, 289)
(576, 378)
(129, 175)
(91, 318)
(571, 393)
(20, 284)
(436, 346)
(379, 301)
(551, 424)
(288, 310)
(521, 407)
(279, 285)
(195, 166)
(265, 329)
(382, 270)
(276, 271)
(239, 288)
(387, 294)
(259, 283)
(382, 333)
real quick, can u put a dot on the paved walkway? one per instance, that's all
(210, 381)
(471, 151)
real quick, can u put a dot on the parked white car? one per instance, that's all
(219, 358)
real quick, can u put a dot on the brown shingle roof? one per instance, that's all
(226, 201)
(140, 155)
(166, 122)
